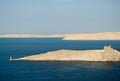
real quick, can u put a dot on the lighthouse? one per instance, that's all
(10, 58)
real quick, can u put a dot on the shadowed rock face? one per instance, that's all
(107, 54)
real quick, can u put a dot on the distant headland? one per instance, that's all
(105, 55)
(90, 36)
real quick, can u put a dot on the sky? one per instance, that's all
(59, 16)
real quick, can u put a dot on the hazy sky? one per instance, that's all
(59, 16)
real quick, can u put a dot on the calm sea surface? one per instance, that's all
(54, 71)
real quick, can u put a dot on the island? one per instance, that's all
(108, 54)
(31, 36)
(89, 36)
(94, 36)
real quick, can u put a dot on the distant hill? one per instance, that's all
(90, 36)
(94, 36)
(30, 36)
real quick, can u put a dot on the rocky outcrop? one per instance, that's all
(107, 54)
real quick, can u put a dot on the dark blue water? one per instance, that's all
(54, 71)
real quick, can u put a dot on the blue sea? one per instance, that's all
(54, 71)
